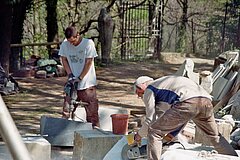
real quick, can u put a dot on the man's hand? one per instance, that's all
(72, 79)
(70, 76)
(76, 80)
(137, 138)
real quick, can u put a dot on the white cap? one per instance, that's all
(140, 80)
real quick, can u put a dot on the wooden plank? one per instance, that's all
(134, 112)
(35, 44)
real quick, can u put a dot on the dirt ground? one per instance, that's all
(38, 97)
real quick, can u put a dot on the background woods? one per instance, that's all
(121, 30)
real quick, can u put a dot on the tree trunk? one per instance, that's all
(222, 44)
(19, 14)
(153, 10)
(52, 27)
(237, 45)
(105, 25)
(182, 35)
(5, 32)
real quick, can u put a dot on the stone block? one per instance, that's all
(38, 147)
(93, 144)
(176, 154)
(117, 151)
(227, 87)
(224, 128)
(188, 132)
(59, 131)
(104, 116)
(218, 87)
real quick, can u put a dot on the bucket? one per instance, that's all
(120, 123)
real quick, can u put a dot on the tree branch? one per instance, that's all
(86, 28)
(110, 5)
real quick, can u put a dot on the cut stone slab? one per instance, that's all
(193, 152)
(188, 133)
(176, 154)
(235, 103)
(206, 81)
(104, 116)
(227, 87)
(59, 131)
(224, 128)
(186, 70)
(218, 72)
(187, 66)
(193, 76)
(173, 152)
(38, 147)
(93, 144)
(116, 151)
(218, 87)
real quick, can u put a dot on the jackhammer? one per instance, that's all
(70, 100)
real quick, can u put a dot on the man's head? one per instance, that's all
(141, 84)
(72, 35)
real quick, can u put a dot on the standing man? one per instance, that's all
(77, 56)
(188, 101)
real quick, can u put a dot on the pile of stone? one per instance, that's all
(224, 85)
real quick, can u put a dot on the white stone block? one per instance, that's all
(177, 154)
(38, 147)
(223, 128)
(104, 115)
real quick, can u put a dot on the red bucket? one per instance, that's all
(120, 123)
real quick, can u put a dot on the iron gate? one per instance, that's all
(134, 29)
(141, 28)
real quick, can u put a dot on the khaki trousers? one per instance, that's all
(200, 110)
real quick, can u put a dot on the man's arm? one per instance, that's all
(87, 66)
(66, 65)
(149, 101)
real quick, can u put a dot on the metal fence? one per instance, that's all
(134, 29)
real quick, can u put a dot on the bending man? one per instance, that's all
(188, 101)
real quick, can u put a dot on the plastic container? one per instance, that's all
(120, 123)
(130, 139)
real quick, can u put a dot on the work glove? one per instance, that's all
(72, 79)
(75, 82)
(76, 79)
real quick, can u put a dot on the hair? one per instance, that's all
(71, 32)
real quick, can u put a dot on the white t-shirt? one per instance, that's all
(76, 56)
